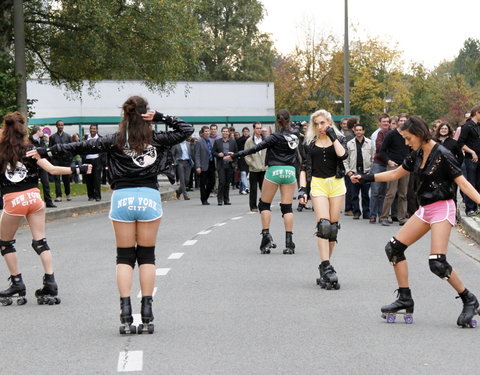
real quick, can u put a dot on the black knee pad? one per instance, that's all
(40, 246)
(145, 255)
(286, 208)
(262, 206)
(7, 247)
(334, 227)
(323, 229)
(126, 255)
(439, 266)
(395, 251)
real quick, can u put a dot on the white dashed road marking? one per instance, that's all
(189, 242)
(130, 361)
(219, 224)
(175, 255)
(162, 271)
(205, 231)
(236, 218)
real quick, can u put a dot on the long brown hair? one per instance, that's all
(13, 140)
(133, 132)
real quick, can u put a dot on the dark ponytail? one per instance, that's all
(283, 119)
(13, 140)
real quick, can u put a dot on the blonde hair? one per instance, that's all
(312, 131)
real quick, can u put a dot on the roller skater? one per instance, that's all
(328, 276)
(323, 168)
(470, 309)
(126, 317)
(136, 155)
(16, 291)
(403, 305)
(289, 244)
(437, 171)
(147, 316)
(267, 242)
(280, 174)
(48, 294)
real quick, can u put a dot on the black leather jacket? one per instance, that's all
(23, 177)
(307, 161)
(435, 180)
(127, 169)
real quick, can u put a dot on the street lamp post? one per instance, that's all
(346, 69)
(20, 65)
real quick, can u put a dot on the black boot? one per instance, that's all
(403, 305)
(126, 317)
(48, 294)
(267, 242)
(470, 309)
(289, 245)
(328, 276)
(147, 316)
(16, 290)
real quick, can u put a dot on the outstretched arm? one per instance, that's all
(467, 188)
(56, 170)
(394, 174)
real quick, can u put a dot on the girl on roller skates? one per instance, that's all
(19, 176)
(437, 171)
(135, 156)
(280, 161)
(325, 150)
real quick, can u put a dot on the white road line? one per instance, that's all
(130, 361)
(205, 231)
(175, 255)
(236, 218)
(219, 224)
(162, 271)
(139, 295)
(189, 242)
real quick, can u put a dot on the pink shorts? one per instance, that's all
(22, 203)
(437, 212)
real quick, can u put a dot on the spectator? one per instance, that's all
(223, 147)
(182, 156)
(60, 137)
(256, 165)
(205, 164)
(76, 160)
(242, 164)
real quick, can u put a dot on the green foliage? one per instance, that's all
(8, 84)
(467, 62)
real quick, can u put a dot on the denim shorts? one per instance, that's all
(135, 204)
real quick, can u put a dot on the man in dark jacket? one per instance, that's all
(205, 164)
(60, 137)
(223, 147)
(94, 179)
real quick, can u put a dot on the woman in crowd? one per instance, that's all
(19, 176)
(437, 171)
(280, 161)
(325, 150)
(135, 156)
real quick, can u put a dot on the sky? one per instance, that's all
(427, 31)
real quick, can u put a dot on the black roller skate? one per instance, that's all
(328, 276)
(126, 317)
(289, 245)
(267, 242)
(300, 207)
(48, 294)
(147, 316)
(403, 305)
(16, 291)
(470, 309)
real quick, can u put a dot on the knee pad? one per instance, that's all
(439, 266)
(334, 227)
(395, 251)
(126, 255)
(40, 246)
(262, 206)
(323, 229)
(286, 208)
(145, 255)
(7, 247)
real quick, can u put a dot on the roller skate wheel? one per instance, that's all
(40, 301)
(391, 318)
(140, 329)
(51, 301)
(21, 301)
(337, 286)
(318, 281)
(133, 329)
(122, 330)
(473, 323)
(274, 246)
(150, 328)
(408, 319)
(328, 286)
(57, 301)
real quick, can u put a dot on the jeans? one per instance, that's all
(364, 189)
(244, 185)
(377, 192)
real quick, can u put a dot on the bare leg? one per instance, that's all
(36, 221)
(147, 236)
(125, 236)
(268, 192)
(322, 211)
(286, 192)
(335, 205)
(8, 227)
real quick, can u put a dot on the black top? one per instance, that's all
(359, 145)
(470, 137)
(453, 146)
(394, 147)
(23, 177)
(311, 158)
(435, 180)
(281, 148)
(324, 161)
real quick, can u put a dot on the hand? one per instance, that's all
(302, 195)
(331, 134)
(221, 154)
(391, 163)
(198, 170)
(228, 158)
(474, 157)
(355, 178)
(88, 167)
(33, 154)
(149, 115)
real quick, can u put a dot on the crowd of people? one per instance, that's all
(406, 172)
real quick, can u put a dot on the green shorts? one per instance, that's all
(281, 174)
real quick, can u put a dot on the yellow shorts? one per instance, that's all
(327, 187)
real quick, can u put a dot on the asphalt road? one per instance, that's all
(223, 308)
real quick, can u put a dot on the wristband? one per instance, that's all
(366, 178)
(302, 191)
(75, 169)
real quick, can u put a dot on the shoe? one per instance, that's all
(356, 217)
(391, 221)
(471, 213)
(254, 210)
(385, 223)
(90, 199)
(177, 194)
(227, 203)
(186, 197)
(58, 199)
(247, 191)
(402, 223)
(206, 203)
(98, 199)
(243, 192)
(69, 198)
(348, 213)
(50, 205)
(220, 203)
(372, 220)
(394, 218)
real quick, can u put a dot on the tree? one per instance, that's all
(233, 47)
(467, 62)
(8, 84)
